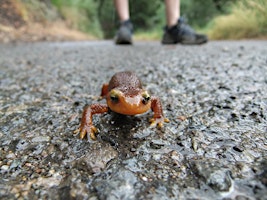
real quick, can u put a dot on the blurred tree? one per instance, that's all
(200, 12)
(100, 15)
(80, 14)
(107, 18)
(147, 15)
(144, 15)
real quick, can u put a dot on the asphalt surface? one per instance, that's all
(214, 147)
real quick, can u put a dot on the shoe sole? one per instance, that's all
(184, 43)
(124, 42)
(123, 37)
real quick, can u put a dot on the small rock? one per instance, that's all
(121, 184)
(41, 139)
(96, 158)
(5, 167)
(214, 174)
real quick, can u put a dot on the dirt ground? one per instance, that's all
(34, 32)
(17, 24)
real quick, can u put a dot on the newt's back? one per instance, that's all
(125, 81)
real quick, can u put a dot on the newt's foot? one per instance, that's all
(89, 130)
(158, 122)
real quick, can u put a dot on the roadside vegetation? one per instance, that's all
(247, 19)
(80, 14)
(220, 19)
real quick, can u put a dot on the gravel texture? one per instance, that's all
(214, 147)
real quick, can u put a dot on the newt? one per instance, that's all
(125, 95)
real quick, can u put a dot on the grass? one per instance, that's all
(248, 19)
(80, 14)
(148, 35)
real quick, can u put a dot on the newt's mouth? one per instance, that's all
(129, 105)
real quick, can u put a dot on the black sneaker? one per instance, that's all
(182, 33)
(124, 34)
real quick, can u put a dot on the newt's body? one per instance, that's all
(124, 95)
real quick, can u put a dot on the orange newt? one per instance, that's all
(124, 95)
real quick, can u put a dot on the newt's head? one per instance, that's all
(129, 101)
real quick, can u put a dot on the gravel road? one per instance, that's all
(215, 146)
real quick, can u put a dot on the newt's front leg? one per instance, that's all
(87, 126)
(158, 118)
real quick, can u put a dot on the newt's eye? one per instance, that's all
(146, 98)
(114, 96)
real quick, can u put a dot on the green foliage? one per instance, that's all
(99, 17)
(107, 18)
(38, 11)
(81, 14)
(96, 16)
(149, 17)
(144, 15)
(200, 12)
(248, 19)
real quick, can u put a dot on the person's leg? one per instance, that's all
(124, 33)
(177, 31)
(172, 8)
(122, 8)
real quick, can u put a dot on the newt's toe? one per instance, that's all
(86, 130)
(158, 122)
(82, 134)
(93, 132)
(80, 131)
(76, 131)
(166, 120)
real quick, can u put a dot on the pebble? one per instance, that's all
(4, 167)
